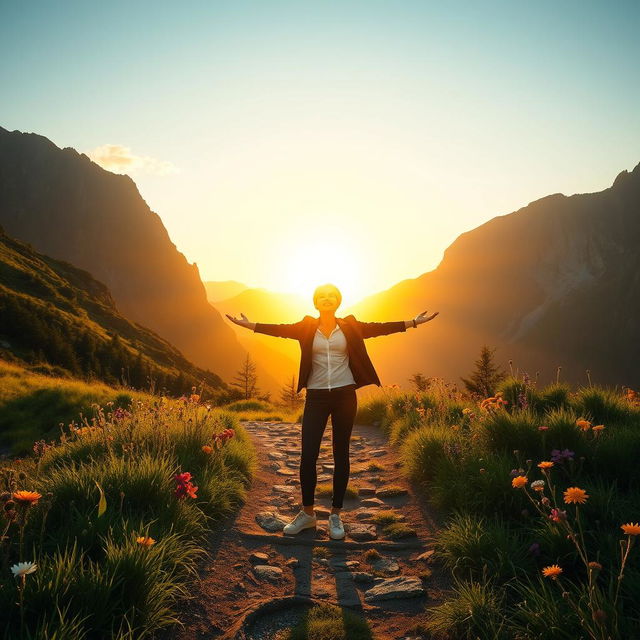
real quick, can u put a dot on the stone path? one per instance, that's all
(254, 568)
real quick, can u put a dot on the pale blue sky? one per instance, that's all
(374, 130)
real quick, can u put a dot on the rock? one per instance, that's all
(388, 566)
(366, 490)
(259, 558)
(328, 467)
(322, 512)
(283, 471)
(378, 452)
(293, 562)
(271, 521)
(282, 488)
(362, 532)
(373, 502)
(276, 455)
(389, 492)
(362, 576)
(398, 587)
(342, 565)
(365, 514)
(267, 572)
(427, 556)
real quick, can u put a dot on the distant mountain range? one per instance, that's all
(222, 290)
(556, 283)
(71, 209)
(56, 316)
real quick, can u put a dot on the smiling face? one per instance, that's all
(327, 298)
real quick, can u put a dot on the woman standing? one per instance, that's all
(334, 363)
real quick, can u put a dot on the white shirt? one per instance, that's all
(329, 361)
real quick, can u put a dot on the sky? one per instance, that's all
(288, 144)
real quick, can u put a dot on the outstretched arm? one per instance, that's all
(373, 329)
(277, 330)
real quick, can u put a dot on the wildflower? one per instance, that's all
(595, 566)
(121, 414)
(631, 528)
(145, 541)
(543, 428)
(184, 487)
(537, 485)
(194, 397)
(575, 495)
(466, 410)
(598, 427)
(553, 571)
(545, 464)
(519, 482)
(23, 568)
(558, 515)
(585, 425)
(26, 498)
(561, 456)
(207, 449)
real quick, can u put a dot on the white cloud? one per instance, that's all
(120, 159)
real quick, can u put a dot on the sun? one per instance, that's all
(318, 261)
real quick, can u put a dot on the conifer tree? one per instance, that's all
(486, 376)
(247, 379)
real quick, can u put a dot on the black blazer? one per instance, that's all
(354, 331)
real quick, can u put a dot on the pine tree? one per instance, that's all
(289, 396)
(486, 376)
(419, 382)
(247, 379)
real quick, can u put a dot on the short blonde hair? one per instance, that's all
(322, 286)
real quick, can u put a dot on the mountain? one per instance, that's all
(259, 305)
(71, 209)
(222, 290)
(555, 283)
(55, 316)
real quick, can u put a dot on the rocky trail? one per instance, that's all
(259, 581)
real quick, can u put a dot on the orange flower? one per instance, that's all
(595, 565)
(585, 425)
(26, 497)
(553, 571)
(145, 541)
(545, 464)
(575, 495)
(207, 449)
(598, 427)
(519, 481)
(631, 528)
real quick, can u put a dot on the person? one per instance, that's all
(333, 364)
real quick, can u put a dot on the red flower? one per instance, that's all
(184, 487)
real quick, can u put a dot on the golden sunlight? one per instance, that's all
(321, 260)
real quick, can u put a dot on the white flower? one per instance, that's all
(23, 568)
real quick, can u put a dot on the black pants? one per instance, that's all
(341, 403)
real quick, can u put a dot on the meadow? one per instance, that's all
(102, 529)
(538, 491)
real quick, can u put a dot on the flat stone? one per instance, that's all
(282, 488)
(259, 558)
(271, 521)
(390, 492)
(366, 491)
(362, 576)
(427, 556)
(378, 452)
(267, 572)
(392, 588)
(328, 467)
(362, 532)
(285, 472)
(276, 455)
(373, 502)
(388, 566)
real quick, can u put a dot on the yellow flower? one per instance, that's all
(145, 541)
(585, 425)
(545, 464)
(26, 497)
(631, 528)
(575, 495)
(553, 571)
(207, 449)
(519, 481)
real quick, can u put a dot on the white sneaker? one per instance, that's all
(336, 529)
(302, 521)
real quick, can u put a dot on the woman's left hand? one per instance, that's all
(423, 317)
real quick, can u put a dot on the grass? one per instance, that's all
(325, 490)
(101, 489)
(496, 539)
(328, 622)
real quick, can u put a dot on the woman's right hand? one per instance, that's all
(243, 321)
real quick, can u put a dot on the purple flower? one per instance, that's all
(561, 456)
